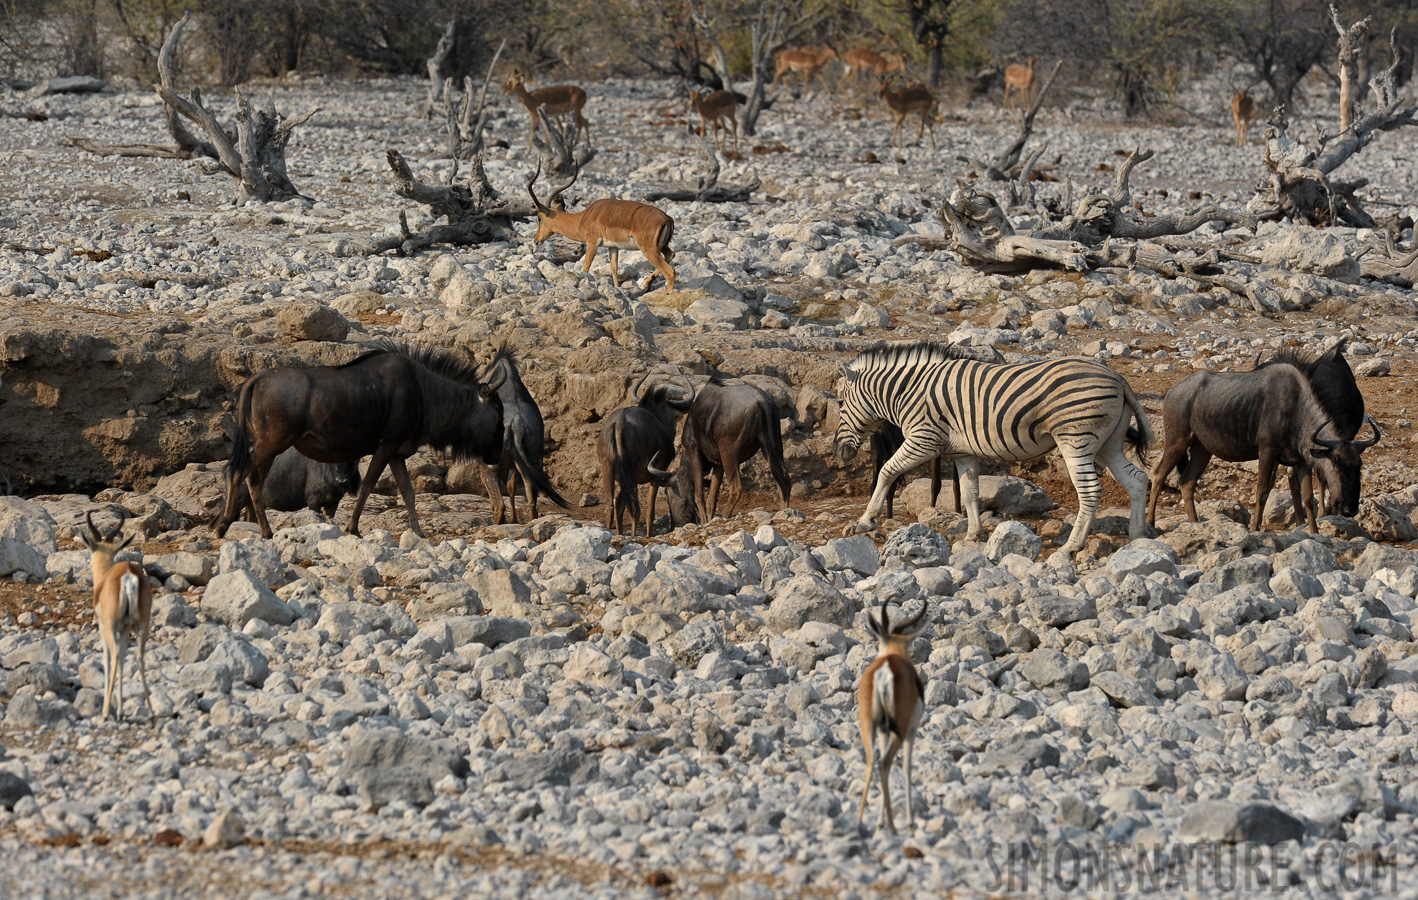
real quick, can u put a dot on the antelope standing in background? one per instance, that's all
(878, 64)
(714, 107)
(1242, 109)
(558, 99)
(890, 702)
(808, 61)
(1020, 78)
(123, 602)
(619, 224)
(913, 98)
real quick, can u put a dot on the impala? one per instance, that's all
(558, 99)
(807, 61)
(878, 64)
(713, 108)
(913, 98)
(1021, 78)
(889, 706)
(1242, 109)
(123, 603)
(619, 224)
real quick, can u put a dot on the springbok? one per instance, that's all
(1020, 78)
(808, 61)
(558, 99)
(714, 107)
(913, 98)
(1242, 109)
(123, 602)
(619, 224)
(877, 64)
(890, 702)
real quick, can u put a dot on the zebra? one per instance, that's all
(949, 404)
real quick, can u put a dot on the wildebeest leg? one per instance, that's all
(955, 480)
(253, 487)
(1297, 475)
(1082, 470)
(1265, 480)
(1172, 454)
(377, 462)
(1307, 480)
(935, 484)
(1198, 458)
(733, 477)
(650, 510)
(711, 506)
(493, 485)
(406, 490)
(512, 478)
(608, 494)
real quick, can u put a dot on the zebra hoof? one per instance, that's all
(859, 527)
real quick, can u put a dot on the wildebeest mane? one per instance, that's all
(443, 363)
(1332, 381)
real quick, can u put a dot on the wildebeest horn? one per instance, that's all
(689, 385)
(635, 391)
(496, 376)
(658, 473)
(1364, 445)
(1324, 442)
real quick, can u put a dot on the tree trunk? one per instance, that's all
(933, 66)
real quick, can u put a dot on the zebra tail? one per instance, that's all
(1141, 436)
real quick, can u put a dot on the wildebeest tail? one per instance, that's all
(772, 440)
(625, 479)
(532, 471)
(240, 464)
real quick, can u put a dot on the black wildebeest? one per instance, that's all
(636, 445)
(1336, 390)
(296, 482)
(727, 424)
(387, 403)
(1270, 414)
(523, 431)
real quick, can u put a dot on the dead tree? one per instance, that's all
(1298, 181)
(256, 157)
(465, 121)
(1348, 64)
(707, 188)
(1010, 163)
(556, 145)
(476, 213)
(774, 23)
(437, 86)
(1396, 267)
(186, 145)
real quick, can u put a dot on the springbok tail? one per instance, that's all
(128, 599)
(883, 697)
(666, 234)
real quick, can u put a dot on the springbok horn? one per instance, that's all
(885, 620)
(97, 535)
(559, 191)
(1324, 442)
(1364, 445)
(907, 626)
(117, 529)
(535, 202)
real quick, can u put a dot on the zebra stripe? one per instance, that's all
(949, 404)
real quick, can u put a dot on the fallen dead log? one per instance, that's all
(707, 188)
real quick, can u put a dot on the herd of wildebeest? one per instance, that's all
(299, 433)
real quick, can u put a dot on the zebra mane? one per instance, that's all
(884, 353)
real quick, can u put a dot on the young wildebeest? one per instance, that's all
(1336, 390)
(296, 482)
(387, 403)
(890, 701)
(1269, 414)
(523, 431)
(886, 442)
(636, 444)
(123, 603)
(728, 423)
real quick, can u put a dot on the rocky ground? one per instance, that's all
(547, 707)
